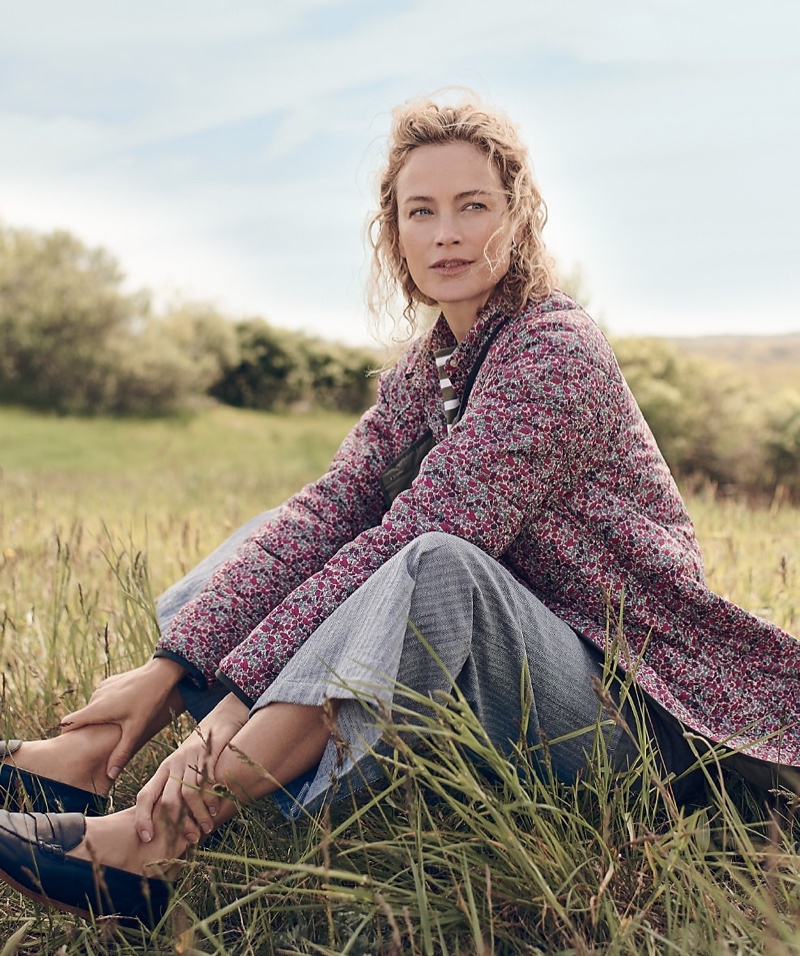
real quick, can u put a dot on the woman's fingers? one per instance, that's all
(160, 805)
(182, 791)
(82, 718)
(180, 794)
(198, 791)
(122, 753)
(193, 796)
(104, 706)
(137, 701)
(146, 800)
(98, 712)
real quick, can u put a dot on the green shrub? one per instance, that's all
(338, 375)
(782, 442)
(268, 373)
(74, 342)
(707, 418)
(279, 369)
(61, 311)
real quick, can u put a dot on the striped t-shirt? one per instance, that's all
(451, 403)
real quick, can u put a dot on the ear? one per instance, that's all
(400, 248)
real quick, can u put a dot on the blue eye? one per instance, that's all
(420, 212)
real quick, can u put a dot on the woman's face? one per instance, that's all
(450, 204)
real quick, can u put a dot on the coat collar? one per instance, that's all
(466, 352)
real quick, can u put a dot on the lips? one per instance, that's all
(451, 267)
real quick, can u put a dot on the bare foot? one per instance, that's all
(78, 758)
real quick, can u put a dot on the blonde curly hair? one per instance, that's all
(426, 123)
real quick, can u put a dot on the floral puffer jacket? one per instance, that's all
(553, 471)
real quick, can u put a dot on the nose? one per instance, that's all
(447, 233)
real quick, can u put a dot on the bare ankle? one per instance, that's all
(77, 758)
(113, 841)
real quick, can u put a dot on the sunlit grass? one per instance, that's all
(458, 855)
(752, 555)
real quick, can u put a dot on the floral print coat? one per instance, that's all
(551, 470)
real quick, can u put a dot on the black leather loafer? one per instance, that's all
(33, 859)
(22, 790)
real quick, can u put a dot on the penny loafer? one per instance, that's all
(22, 790)
(33, 859)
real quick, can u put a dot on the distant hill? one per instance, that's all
(772, 359)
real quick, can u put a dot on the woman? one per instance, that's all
(543, 524)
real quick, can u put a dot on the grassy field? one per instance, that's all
(96, 516)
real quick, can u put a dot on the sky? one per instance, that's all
(227, 152)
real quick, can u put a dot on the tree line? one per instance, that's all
(74, 342)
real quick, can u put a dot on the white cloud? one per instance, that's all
(227, 150)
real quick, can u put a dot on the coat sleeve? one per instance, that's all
(307, 530)
(534, 426)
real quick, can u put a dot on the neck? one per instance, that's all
(461, 317)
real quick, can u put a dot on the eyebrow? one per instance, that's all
(462, 195)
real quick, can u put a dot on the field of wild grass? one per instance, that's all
(457, 855)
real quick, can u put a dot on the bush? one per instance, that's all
(782, 443)
(707, 420)
(338, 376)
(203, 336)
(278, 369)
(73, 342)
(61, 309)
(268, 373)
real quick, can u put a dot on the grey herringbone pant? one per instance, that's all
(440, 612)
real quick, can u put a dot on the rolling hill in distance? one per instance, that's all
(774, 360)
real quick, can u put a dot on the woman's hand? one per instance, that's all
(181, 792)
(137, 701)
